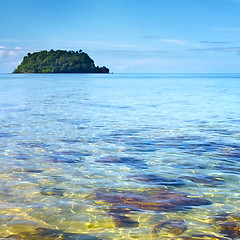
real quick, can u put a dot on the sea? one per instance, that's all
(119, 156)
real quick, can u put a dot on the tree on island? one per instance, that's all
(59, 61)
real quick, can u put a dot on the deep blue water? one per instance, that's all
(119, 156)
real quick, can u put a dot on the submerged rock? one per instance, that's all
(154, 200)
(73, 153)
(230, 229)
(53, 191)
(228, 224)
(123, 160)
(21, 156)
(50, 234)
(225, 217)
(71, 140)
(208, 181)
(33, 170)
(123, 221)
(7, 135)
(143, 145)
(232, 153)
(158, 180)
(227, 168)
(201, 237)
(170, 227)
(34, 144)
(60, 159)
(120, 210)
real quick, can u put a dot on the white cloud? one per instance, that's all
(1, 53)
(215, 42)
(140, 64)
(10, 57)
(121, 65)
(11, 52)
(174, 41)
(217, 49)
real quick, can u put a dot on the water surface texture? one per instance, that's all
(120, 156)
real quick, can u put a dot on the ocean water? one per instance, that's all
(120, 156)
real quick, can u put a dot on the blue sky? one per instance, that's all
(128, 36)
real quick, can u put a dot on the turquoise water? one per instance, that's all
(120, 156)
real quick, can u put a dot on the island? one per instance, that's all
(59, 61)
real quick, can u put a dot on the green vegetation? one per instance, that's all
(59, 62)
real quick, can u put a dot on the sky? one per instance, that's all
(127, 36)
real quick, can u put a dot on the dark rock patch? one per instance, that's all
(130, 161)
(33, 171)
(123, 221)
(173, 227)
(201, 237)
(70, 140)
(228, 224)
(154, 200)
(21, 156)
(228, 168)
(60, 159)
(230, 229)
(233, 155)
(207, 181)
(143, 145)
(72, 153)
(225, 217)
(6, 135)
(120, 210)
(52, 191)
(158, 180)
(34, 144)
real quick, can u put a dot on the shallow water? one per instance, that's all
(119, 156)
